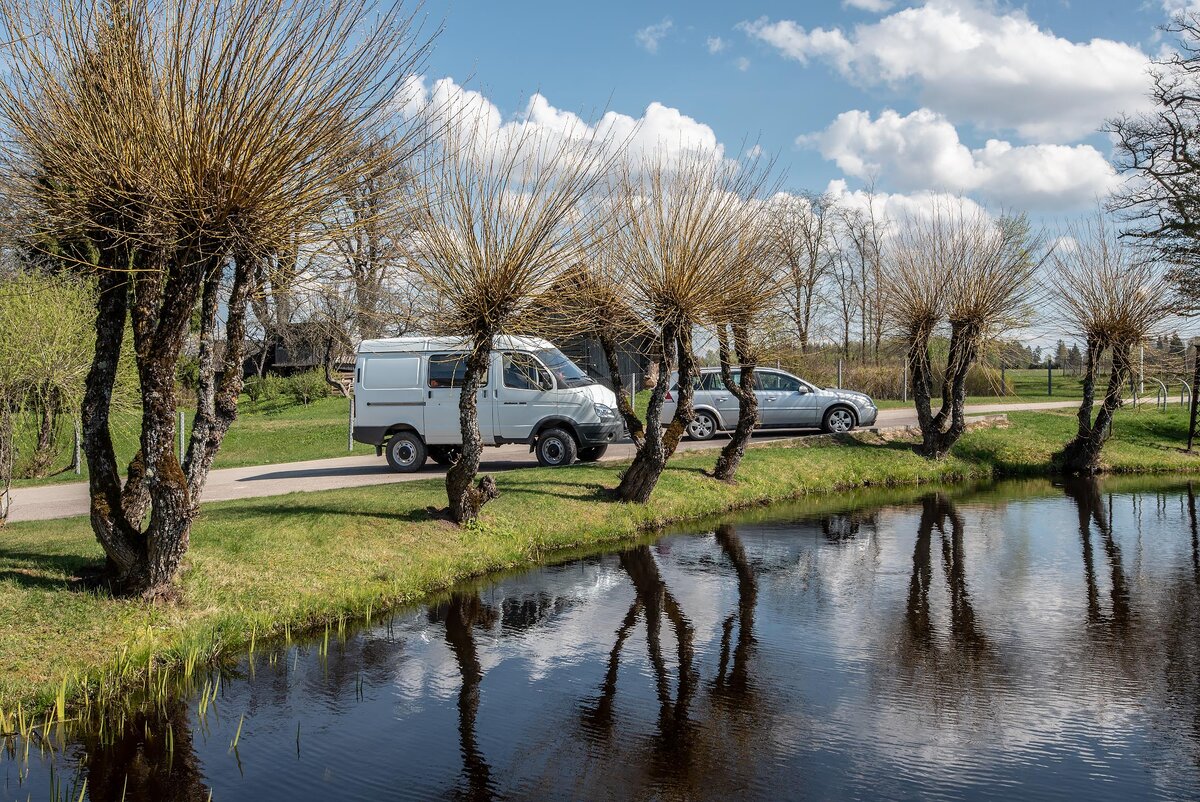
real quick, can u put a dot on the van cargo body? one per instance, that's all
(407, 391)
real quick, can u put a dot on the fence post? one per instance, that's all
(1049, 378)
(839, 384)
(181, 435)
(904, 384)
(1003, 380)
(77, 460)
(350, 427)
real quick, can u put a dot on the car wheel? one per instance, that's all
(592, 453)
(838, 420)
(702, 427)
(445, 455)
(555, 448)
(406, 453)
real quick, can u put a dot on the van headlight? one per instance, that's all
(605, 412)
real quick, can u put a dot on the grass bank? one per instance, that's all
(259, 566)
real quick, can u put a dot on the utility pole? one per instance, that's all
(1049, 377)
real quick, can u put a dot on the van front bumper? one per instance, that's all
(598, 434)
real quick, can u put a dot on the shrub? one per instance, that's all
(263, 389)
(308, 386)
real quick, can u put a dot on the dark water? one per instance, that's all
(1021, 641)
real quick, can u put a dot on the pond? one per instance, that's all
(1023, 640)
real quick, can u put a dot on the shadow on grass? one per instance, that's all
(30, 570)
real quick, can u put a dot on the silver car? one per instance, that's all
(784, 402)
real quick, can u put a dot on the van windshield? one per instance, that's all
(565, 371)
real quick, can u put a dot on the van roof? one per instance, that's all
(411, 344)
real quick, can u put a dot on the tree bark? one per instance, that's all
(467, 499)
(1195, 397)
(633, 424)
(6, 458)
(939, 432)
(219, 384)
(640, 478)
(743, 390)
(1081, 456)
(159, 300)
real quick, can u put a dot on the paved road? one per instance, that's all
(67, 499)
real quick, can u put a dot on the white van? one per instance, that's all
(406, 393)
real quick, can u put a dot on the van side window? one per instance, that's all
(523, 372)
(447, 371)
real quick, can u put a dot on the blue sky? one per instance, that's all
(1034, 80)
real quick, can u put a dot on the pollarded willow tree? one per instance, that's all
(750, 291)
(1113, 296)
(508, 214)
(186, 140)
(955, 267)
(677, 219)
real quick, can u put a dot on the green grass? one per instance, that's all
(256, 566)
(262, 435)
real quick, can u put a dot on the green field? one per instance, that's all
(262, 435)
(309, 558)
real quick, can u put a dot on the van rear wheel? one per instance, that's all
(592, 453)
(406, 453)
(555, 448)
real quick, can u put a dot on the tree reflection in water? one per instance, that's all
(685, 757)
(1089, 502)
(137, 761)
(461, 614)
(957, 655)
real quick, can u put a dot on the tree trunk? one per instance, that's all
(640, 478)
(941, 431)
(1195, 397)
(633, 424)
(159, 299)
(327, 367)
(219, 385)
(743, 390)
(6, 458)
(1081, 456)
(46, 408)
(467, 499)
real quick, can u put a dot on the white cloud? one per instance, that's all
(1176, 6)
(922, 151)
(742, 63)
(716, 44)
(874, 6)
(897, 206)
(997, 70)
(649, 37)
(660, 129)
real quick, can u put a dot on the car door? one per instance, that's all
(444, 375)
(785, 402)
(524, 395)
(718, 396)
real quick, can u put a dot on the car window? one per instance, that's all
(523, 372)
(447, 371)
(713, 381)
(776, 382)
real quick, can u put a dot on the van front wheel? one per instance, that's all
(406, 453)
(555, 448)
